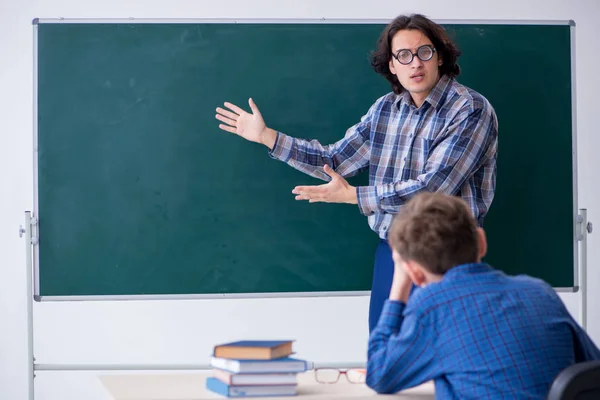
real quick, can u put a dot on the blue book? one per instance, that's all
(216, 386)
(280, 365)
(254, 349)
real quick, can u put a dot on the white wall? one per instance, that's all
(183, 331)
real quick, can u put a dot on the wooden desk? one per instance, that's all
(191, 386)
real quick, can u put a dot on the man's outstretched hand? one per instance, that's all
(249, 126)
(335, 191)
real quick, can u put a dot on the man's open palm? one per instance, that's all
(335, 191)
(235, 120)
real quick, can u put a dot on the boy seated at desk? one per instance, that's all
(477, 332)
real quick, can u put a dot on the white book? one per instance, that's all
(291, 365)
(254, 379)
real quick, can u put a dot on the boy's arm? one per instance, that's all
(585, 348)
(400, 351)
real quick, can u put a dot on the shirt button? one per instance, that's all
(404, 158)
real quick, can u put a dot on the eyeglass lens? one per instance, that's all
(424, 52)
(331, 375)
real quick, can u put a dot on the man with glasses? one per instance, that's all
(429, 134)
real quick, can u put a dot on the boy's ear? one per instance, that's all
(415, 273)
(481, 243)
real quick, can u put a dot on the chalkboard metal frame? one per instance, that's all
(33, 265)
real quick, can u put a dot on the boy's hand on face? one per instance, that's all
(401, 284)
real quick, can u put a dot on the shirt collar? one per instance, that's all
(435, 97)
(467, 269)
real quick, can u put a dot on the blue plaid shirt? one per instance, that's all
(448, 144)
(479, 334)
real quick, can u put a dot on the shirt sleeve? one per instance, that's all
(469, 141)
(585, 349)
(400, 351)
(584, 346)
(347, 157)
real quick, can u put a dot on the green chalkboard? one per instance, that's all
(139, 193)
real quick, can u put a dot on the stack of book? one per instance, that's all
(253, 368)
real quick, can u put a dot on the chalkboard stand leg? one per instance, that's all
(29, 242)
(583, 228)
